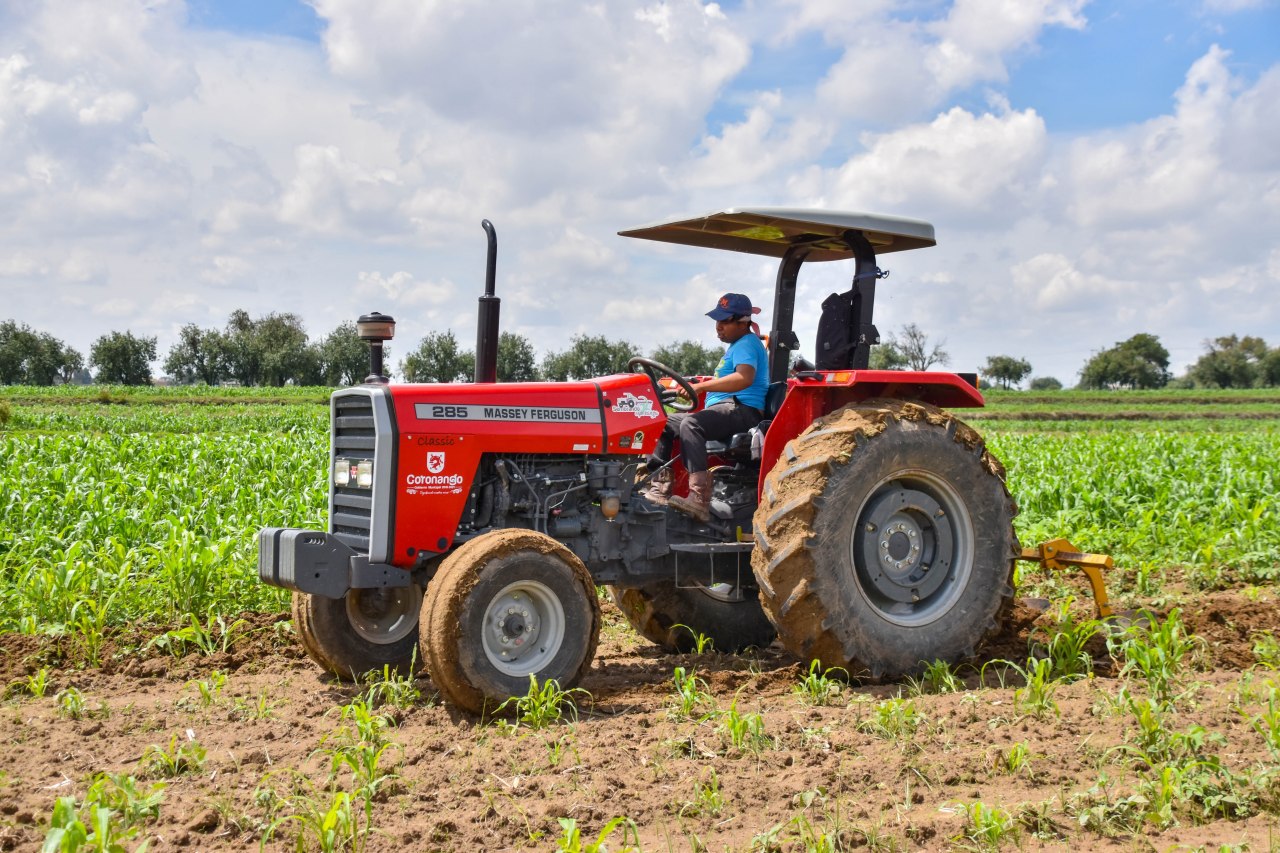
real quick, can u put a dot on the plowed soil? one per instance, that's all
(471, 784)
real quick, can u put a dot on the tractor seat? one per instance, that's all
(739, 446)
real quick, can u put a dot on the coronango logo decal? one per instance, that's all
(435, 481)
(641, 407)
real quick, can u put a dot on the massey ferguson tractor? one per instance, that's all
(860, 523)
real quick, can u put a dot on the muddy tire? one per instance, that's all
(668, 616)
(366, 630)
(504, 606)
(885, 540)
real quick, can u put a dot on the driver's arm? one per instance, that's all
(742, 377)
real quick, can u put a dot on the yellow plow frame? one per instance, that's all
(1060, 555)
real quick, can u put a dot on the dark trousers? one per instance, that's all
(695, 429)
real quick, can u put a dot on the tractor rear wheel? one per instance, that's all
(671, 617)
(365, 630)
(885, 540)
(503, 607)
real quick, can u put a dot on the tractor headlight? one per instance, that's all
(353, 472)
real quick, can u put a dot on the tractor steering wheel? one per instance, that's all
(656, 369)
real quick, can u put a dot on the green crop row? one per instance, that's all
(148, 513)
(1151, 498)
(146, 526)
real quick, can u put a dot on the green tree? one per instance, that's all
(1230, 362)
(121, 358)
(1139, 362)
(887, 356)
(439, 359)
(1007, 370)
(1269, 370)
(200, 355)
(282, 343)
(589, 356)
(35, 358)
(918, 352)
(689, 358)
(1045, 383)
(343, 357)
(270, 350)
(516, 359)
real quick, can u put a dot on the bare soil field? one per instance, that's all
(860, 771)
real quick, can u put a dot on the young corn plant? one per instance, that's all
(1014, 760)
(691, 694)
(702, 643)
(209, 638)
(937, 677)
(543, 705)
(209, 690)
(571, 840)
(1157, 653)
(988, 827)
(34, 685)
(1267, 723)
(819, 686)
(1064, 644)
(88, 827)
(1035, 697)
(894, 719)
(70, 703)
(707, 800)
(386, 687)
(327, 828)
(125, 796)
(744, 732)
(177, 760)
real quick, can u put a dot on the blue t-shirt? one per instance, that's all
(745, 350)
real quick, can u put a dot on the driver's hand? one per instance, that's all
(680, 389)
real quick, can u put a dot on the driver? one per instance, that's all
(734, 403)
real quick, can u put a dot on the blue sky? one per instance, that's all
(1096, 168)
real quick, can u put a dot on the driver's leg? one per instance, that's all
(662, 450)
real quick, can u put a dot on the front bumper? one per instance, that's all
(317, 563)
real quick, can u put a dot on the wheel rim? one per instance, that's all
(385, 615)
(524, 627)
(912, 547)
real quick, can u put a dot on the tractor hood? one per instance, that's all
(772, 230)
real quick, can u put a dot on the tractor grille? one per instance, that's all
(354, 437)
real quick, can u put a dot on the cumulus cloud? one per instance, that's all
(959, 162)
(400, 288)
(894, 68)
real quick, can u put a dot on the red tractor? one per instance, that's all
(470, 524)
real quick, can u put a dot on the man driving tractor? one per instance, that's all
(734, 403)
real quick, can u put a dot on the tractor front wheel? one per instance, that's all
(365, 630)
(672, 617)
(885, 540)
(506, 606)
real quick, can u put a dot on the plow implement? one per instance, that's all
(1061, 555)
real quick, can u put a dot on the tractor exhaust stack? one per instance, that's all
(487, 329)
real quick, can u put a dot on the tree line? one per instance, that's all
(1142, 362)
(274, 350)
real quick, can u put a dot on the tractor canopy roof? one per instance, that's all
(773, 230)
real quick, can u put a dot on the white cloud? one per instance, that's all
(402, 289)
(976, 165)
(893, 69)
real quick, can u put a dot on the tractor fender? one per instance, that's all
(814, 394)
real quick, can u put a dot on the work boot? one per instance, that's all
(698, 504)
(659, 488)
